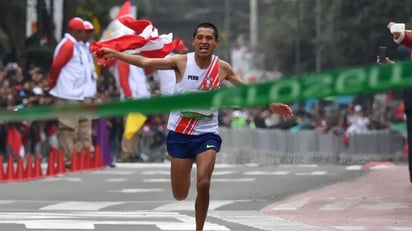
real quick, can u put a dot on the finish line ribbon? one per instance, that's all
(357, 80)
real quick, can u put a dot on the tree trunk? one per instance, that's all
(13, 23)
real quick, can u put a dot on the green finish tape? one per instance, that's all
(365, 79)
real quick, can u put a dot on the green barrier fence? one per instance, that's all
(363, 79)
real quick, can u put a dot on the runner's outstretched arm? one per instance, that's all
(141, 61)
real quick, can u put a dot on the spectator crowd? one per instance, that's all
(22, 88)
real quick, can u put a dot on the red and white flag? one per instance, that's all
(116, 28)
(15, 141)
(139, 36)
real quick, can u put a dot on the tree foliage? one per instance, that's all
(13, 24)
(350, 32)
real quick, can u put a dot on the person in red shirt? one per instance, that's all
(404, 53)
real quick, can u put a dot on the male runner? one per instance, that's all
(193, 135)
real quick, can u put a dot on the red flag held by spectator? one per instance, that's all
(14, 140)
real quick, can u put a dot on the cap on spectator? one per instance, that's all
(358, 108)
(76, 23)
(88, 25)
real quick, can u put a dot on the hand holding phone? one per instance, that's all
(382, 54)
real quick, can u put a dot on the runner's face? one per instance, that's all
(204, 41)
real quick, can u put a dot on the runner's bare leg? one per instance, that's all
(205, 162)
(180, 177)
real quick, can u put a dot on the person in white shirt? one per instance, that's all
(67, 80)
(84, 140)
(133, 84)
(358, 123)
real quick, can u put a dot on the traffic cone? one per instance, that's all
(20, 169)
(92, 164)
(74, 164)
(61, 168)
(82, 165)
(51, 164)
(37, 171)
(10, 169)
(28, 172)
(98, 158)
(88, 160)
(2, 175)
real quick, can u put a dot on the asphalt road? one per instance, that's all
(138, 197)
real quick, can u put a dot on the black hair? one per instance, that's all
(207, 25)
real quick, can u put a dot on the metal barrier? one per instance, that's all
(278, 146)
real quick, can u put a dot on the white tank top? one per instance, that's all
(195, 122)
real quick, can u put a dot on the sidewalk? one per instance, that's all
(380, 200)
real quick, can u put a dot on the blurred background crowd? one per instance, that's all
(22, 88)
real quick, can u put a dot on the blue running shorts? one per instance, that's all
(188, 146)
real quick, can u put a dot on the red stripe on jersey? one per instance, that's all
(194, 126)
(190, 127)
(212, 75)
(215, 75)
(181, 125)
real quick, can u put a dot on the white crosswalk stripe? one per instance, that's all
(350, 228)
(338, 206)
(138, 190)
(263, 173)
(87, 220)
(80, 206)
(263, 222)
(189, 205)
(292, 205)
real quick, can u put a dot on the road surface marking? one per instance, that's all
(112, 172)
(338, 206)
(189, 205)
(138, 190)
(292, 205)
(354, 167)
(116, 180)
(80, 206)
(156, 180)
(156, 173)
(260, 221)
(350, 228)
(221, 173)
(88, 220)
(266, 173)
(387, 206)
(314, 173)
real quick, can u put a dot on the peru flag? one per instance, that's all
(139, 36)
(116, 28)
